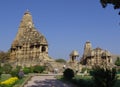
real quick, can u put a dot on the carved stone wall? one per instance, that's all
(95, 56)
(29, 47)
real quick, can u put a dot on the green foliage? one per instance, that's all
(117, 62)
(83, 70)
(4, 77)
(38, 69)
(115, 3)
(83, 82)
(104, 77)
(117, 84)
(60, 60)
(79, 81)
(21, 81)
(86, 69)
(27, 70)
(68, 74)
(15, 71)
(7, 68)
(7, 85)
(118, 71)
(4, 56)
(1, 70)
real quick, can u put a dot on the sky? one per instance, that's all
(66, 24)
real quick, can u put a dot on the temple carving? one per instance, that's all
(95, 56)
(30, 47)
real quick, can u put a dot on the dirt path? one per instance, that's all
(46, 81)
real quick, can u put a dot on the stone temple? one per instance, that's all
(30, 47)
(95, 56)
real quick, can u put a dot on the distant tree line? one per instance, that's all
(117, 62)
(60, 60)
(4, 56)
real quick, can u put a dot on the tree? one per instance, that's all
(68, 74)
(104, 76)
(60, 60)
(115, 3)
(15, 71)
(38, 69)
(117, 62)
(1, 70)
(7, 68)
(4, 56)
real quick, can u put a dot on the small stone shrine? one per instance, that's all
(97, 56)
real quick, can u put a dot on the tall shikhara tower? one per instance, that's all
(29, 47)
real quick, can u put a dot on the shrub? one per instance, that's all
(27, 70)
(60, 60)
(1, 70)
(118, 71)
(86, 69)
(68, 74)
(38, 69)
(9, 82)
(4, 77)
(104, 77)
(15, 71)
(82, 82)
(117, 62)
(83, 70)
(7, 68)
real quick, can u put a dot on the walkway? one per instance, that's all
(46, 81)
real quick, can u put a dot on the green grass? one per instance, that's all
(20, 81)
(4, 77)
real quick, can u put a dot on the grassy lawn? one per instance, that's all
(20, 81)
(4, 77)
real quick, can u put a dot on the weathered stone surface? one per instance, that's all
(97, 56)
(30, 47)
(74, 63)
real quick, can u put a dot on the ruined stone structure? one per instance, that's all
(73, 56)
(29, 47)
(73, 63)
(95, 56)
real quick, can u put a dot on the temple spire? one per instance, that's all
(27, 20)
(26, 23)
(27, 12)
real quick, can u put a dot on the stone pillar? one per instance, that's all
(107, 61)
(34, 51)
(40, 48)
(46, 49)
(111, 60)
